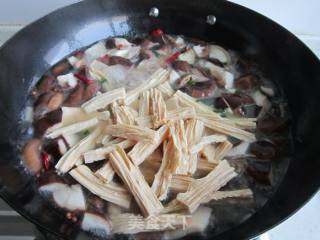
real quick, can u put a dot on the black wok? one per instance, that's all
(280, 55)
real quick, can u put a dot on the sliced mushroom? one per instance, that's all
(250, 111)
(203, 89)
(263, 150)
(61, 68)
(45, 84)
(269, 91)
(55, 101)
(236, 100)
(41, 125)
(247, 82)
(110, 43)
(75, 98)
(224, 78)
(260, 172)
(183, 81)
(49, 120)
(91, 90)
(56, 148)
(41, 104)
(182, 66)
(114, 60)
(31, 155)
(271, 124)
(96, 203)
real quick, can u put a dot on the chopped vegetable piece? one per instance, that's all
(132, 177)
(110, 192)
(191, 83)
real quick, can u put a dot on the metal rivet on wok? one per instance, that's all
(211, 19)
(154, 12)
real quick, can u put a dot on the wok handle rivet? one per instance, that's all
(211, 19)
(154, 12)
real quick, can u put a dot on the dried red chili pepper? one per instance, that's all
(83, 78)
(173, 57)
(156, 32)
(45, 160)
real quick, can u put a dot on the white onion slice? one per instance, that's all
(219, 53)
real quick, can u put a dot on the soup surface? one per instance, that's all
(156, 136)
